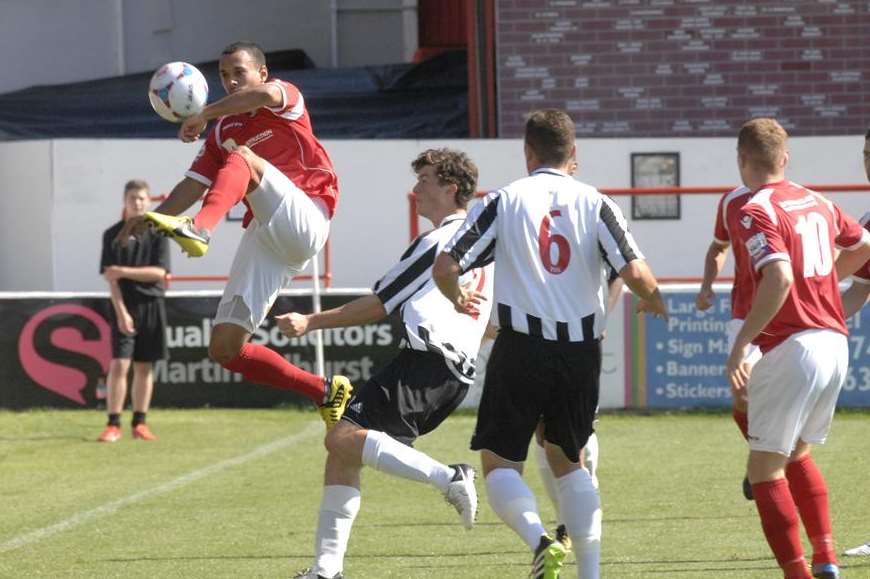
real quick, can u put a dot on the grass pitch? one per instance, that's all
(234, 493)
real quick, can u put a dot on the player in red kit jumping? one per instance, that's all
(261, 152)
(796, 319)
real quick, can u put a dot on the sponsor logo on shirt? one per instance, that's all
(757, 245)
(259, 138)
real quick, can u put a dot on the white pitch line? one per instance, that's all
(108, 508)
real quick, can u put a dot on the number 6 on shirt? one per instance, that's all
(545, 240)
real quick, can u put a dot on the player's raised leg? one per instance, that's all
(233, 181)
(287, 230)
(240, 174)
(231, 348)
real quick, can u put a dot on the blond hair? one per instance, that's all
(763, 142)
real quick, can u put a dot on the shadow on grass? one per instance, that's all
(306, 556)
(656, 518)
(46, 437)
(610, 520)
(713, 567)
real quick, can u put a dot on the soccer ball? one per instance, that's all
(177, 91)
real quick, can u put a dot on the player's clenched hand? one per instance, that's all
(736, 369)
(191, 128)
(705, 299)
(133, 227)
(292, 325)
(655, 307)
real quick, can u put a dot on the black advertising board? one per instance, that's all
(56, 350)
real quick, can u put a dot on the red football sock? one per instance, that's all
(810, 494)
(264, 366)
(229, 187)
(742, 421)
(779, 520)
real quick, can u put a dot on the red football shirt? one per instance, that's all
(727, 220)
(281, 135)
(863, 274)
(785, 221)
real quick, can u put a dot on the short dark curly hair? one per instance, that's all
(252, 48)
(452, 167)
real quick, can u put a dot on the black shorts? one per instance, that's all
(409, 397)
(149, 342)
(529, 380)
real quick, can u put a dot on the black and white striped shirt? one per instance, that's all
(551, 237)
(431, 323)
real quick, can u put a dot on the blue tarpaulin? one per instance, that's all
(426, 100)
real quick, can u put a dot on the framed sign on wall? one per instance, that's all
(655, 170)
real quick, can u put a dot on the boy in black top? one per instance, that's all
(135, 274)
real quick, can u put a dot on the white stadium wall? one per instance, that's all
(93, 39)
(25, 263)
(60, 195)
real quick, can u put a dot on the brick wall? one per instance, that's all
(654, 68)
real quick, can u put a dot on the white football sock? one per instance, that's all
(591, 458)
(515, 504)
(547, 476)
(386, 454)
(338, 508)
(581, 513)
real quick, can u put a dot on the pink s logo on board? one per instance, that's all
(65, 380)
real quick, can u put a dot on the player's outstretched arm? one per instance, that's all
(243, 101)
(363, 310)
(640, 279)
(714, 261)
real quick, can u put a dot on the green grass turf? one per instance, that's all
(212, 498)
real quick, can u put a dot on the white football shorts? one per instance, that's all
(288, 229)
(793, 390)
